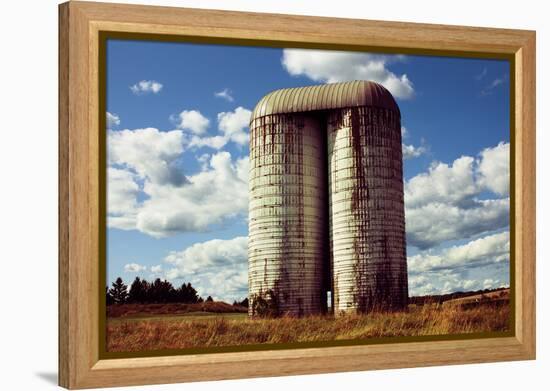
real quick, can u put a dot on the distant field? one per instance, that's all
(497, 297)
(148, 310)
(135, 329)
(186, 317)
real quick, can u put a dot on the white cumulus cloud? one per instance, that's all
(112, 120)
(209, 197)
(436, 223)
(333, 66)
(148, 190)
(152, 154)
(146, 87)
(410, 151)
(490, 283)
(446, 202)
(479, 264)
(218, 268)
(193, 121)
(494, 168)
(494, 248)
(122, 193)
(214, 142)
(156, 269)
(442, 183)
(233, 126)
(134, 268)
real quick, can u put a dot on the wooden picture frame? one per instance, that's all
(80, 120)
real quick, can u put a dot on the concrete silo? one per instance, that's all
(367, 222)
(326, 200)
(287, 234)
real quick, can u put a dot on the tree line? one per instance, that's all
(157, 292)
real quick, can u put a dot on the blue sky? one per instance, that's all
(178, 159)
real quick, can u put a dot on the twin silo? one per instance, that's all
(326, 201)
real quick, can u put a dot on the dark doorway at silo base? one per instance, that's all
(326, 202)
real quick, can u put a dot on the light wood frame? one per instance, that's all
(80, 24)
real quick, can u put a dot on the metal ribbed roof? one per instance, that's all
(325, 97)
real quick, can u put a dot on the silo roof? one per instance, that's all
(325, 97)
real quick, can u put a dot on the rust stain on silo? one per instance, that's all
(326, 201)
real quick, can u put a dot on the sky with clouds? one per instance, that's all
(177, 151)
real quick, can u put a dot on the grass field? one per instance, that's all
(181, 317)
(149, 310)
(147, 330)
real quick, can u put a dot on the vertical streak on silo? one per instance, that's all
(367, 223)
(287, 232)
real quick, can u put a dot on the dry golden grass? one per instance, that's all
(217, 330)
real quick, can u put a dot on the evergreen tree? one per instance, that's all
(209, 298)
(243, 303)
(161, 292)
(187, 294)
(109, 298)
(119, 291)
(138, 291)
